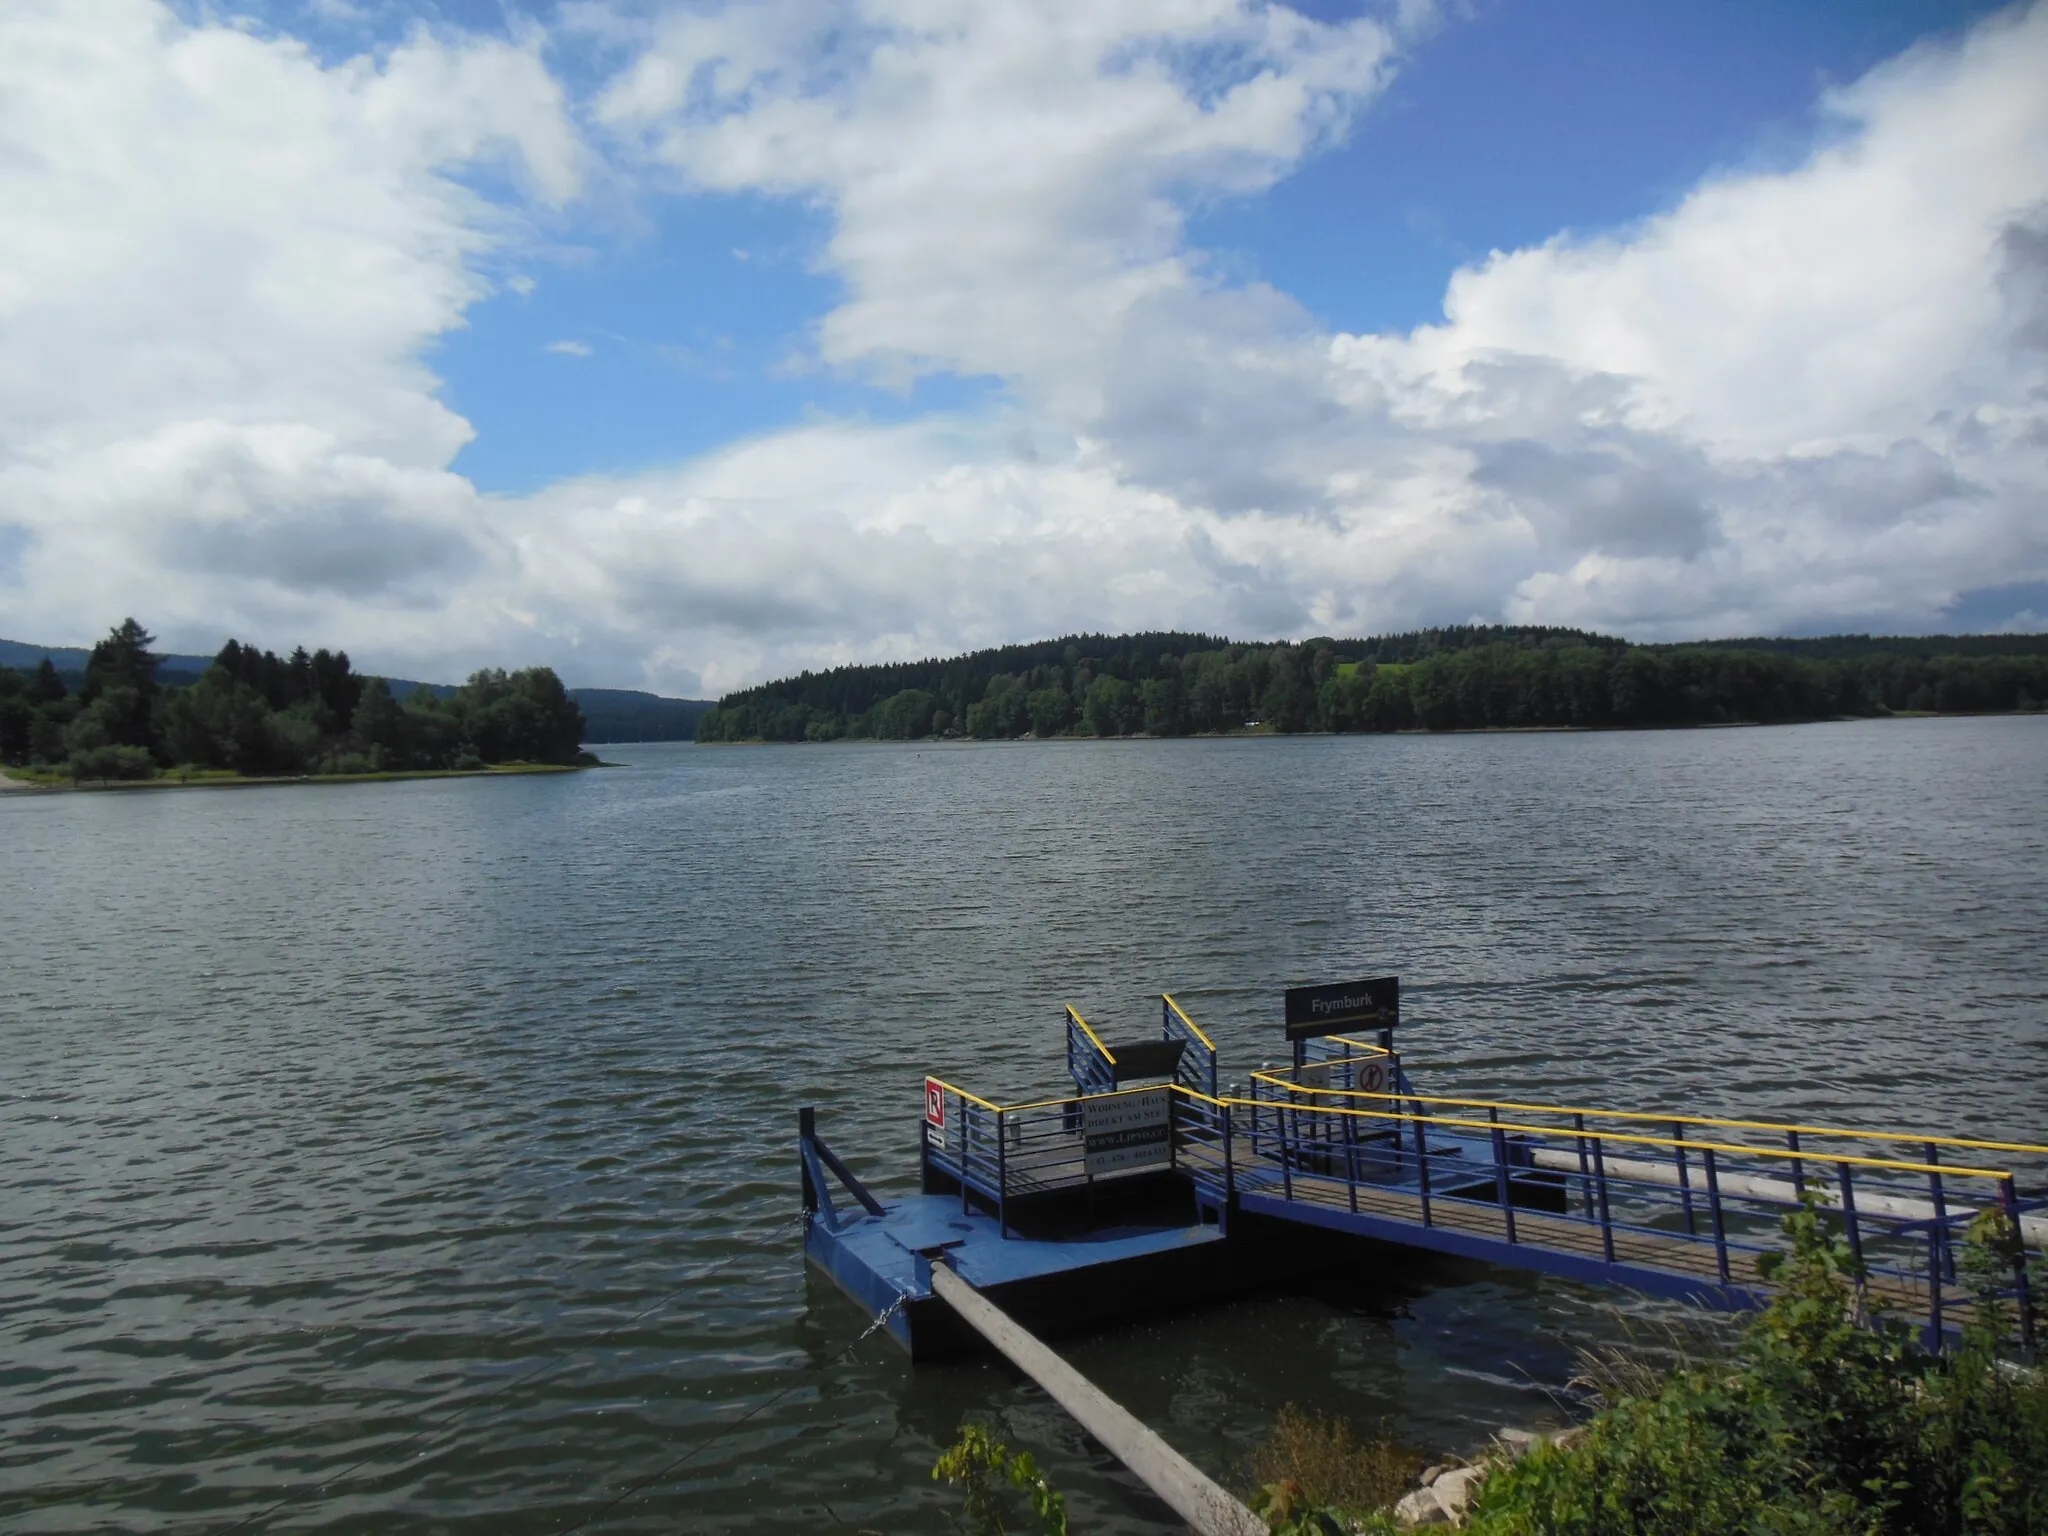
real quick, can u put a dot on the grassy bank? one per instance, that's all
(221, 778)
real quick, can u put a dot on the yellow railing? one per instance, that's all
(1094, 1039)
(1167, 998)
(972, 1098)
(1277, 1080)
(1627, 1138)
(1549, 1132)
(1363, 1047)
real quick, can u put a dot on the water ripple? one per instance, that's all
(357, 1127)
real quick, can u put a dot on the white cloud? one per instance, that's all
(1810, 397)
(220, 261)
(568, 348)
(1007, 179)
(1797, 398)
(1807, 398)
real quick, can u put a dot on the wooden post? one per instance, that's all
(1207, 1508)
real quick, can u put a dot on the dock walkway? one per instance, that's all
(1683, 1206)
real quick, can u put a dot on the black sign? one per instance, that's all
(1146, 1058)
(1371, 1004)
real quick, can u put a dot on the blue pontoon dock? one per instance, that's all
(1151, 1185)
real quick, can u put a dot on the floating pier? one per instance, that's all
(1140, 1189)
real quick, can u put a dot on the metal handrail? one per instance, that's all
(1489, 1126)
(1277, 1080)
(972, 1098)
(1167, 998)
(1107, 1054)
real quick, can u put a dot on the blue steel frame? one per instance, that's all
(1089, 1063)
(1672, 1205)
(1896, 1215)
(1093, 1068)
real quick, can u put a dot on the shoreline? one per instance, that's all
(1410, 730)
(14, 780)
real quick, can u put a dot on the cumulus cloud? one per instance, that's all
(220, 261)
(1810, 397)
(1796, 399)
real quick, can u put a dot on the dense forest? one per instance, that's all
(625, 714)
(255, 713)
(1466, 677)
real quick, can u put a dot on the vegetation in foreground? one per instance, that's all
(1468, 677)
(999, 1487)
(1828, 1422)
(256, 715)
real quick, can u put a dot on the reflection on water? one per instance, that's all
(355, 1124)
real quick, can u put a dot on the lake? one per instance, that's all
(422, 1154)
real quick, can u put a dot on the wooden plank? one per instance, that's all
(1208, 1509)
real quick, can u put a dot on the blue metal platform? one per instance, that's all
(1118, 1194)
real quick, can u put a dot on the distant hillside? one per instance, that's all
(1461, 677)
(172, 671)
(72, 658)
(622, 714)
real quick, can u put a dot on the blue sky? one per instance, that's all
(680, 343)
(1509, 123)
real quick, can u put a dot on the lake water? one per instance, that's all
(346, 1131)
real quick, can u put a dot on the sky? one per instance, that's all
(680, 346)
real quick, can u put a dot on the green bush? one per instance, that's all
(111, 762)
(1831, 1420)
(1309, 1462)
(994, 1478)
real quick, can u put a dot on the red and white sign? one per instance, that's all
(934, 1102)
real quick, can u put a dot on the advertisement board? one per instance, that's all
(1126, 1131)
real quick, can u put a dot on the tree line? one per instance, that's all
(1459, 678)
(255, 713)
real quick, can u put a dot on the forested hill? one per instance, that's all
(1462, 677)
(1834, 647)
(625, 714)
(609, 714)
(253, 713)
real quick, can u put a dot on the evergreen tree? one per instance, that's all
(118, 698)
(47, 686)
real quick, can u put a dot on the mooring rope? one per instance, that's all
(292, 1496)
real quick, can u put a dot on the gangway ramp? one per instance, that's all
(1208, 1509)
